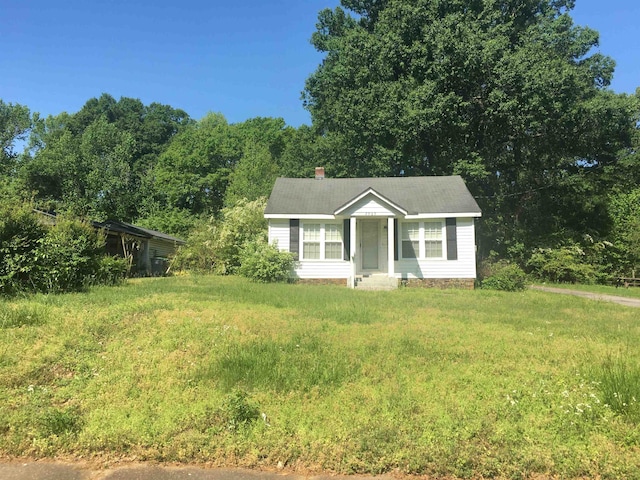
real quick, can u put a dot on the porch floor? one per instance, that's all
(375, 282)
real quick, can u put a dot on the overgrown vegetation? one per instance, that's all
(469, 384)
(561, 265)
(502, 275)
(216, 245)
(67, 256)
(235, 242)
(262, 262)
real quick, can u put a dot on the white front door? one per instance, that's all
(370, 244)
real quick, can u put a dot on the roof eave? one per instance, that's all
(444, 214)
(369, 191)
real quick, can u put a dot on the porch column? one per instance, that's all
(352, 251)
(352, 247)
(391, 246)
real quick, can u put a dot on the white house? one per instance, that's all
(376, 231)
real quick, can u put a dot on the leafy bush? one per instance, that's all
(67, 257)
(20, 234)
(264, 263)
(215, 245)
(503, 275)
(111, 271)
(562, 265)
(624, 210)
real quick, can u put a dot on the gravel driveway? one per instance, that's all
(626, 301)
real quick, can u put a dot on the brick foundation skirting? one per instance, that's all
(443, 283)
(322, 281)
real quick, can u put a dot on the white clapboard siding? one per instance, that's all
(369, 207)
(463, 267)
(323, 269)
(279, 233)
(161, 248)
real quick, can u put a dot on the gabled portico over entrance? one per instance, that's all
(372, 221)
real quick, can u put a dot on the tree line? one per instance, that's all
(509, 94)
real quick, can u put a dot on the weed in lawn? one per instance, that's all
(619, 382)
(60, 421)
(238, 411)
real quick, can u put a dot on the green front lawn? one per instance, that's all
(458, 383)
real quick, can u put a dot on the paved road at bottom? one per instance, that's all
(629, 302)
(45, 470)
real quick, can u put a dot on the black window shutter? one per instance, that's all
(452, 239)
(294, 237)
(395, 239)
(346, 237)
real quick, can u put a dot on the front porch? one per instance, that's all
(372, 251)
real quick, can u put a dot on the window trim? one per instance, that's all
(323, 241)
(421, 254)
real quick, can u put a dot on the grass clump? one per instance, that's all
(619, 382)
(21, 315)
(60, 421)
(298, 364)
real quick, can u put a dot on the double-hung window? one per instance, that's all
(322, 241)
(311, 241)
(410, 240)
(433, 239)
(333, 241)
(422, 239)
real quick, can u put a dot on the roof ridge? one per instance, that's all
(415, 195)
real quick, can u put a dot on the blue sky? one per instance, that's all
(243, 58)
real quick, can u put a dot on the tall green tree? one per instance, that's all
(108, 153)
(15, 124)
(94, 162)
(193, 173)
(506, 93)
(253, 176)
(308, 147)
(264, 142)
(624, 208)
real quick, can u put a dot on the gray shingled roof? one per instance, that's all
(128, 228)
(427, 195)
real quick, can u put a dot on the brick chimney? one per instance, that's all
(319, 173)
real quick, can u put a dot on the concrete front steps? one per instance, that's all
(375, 282)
